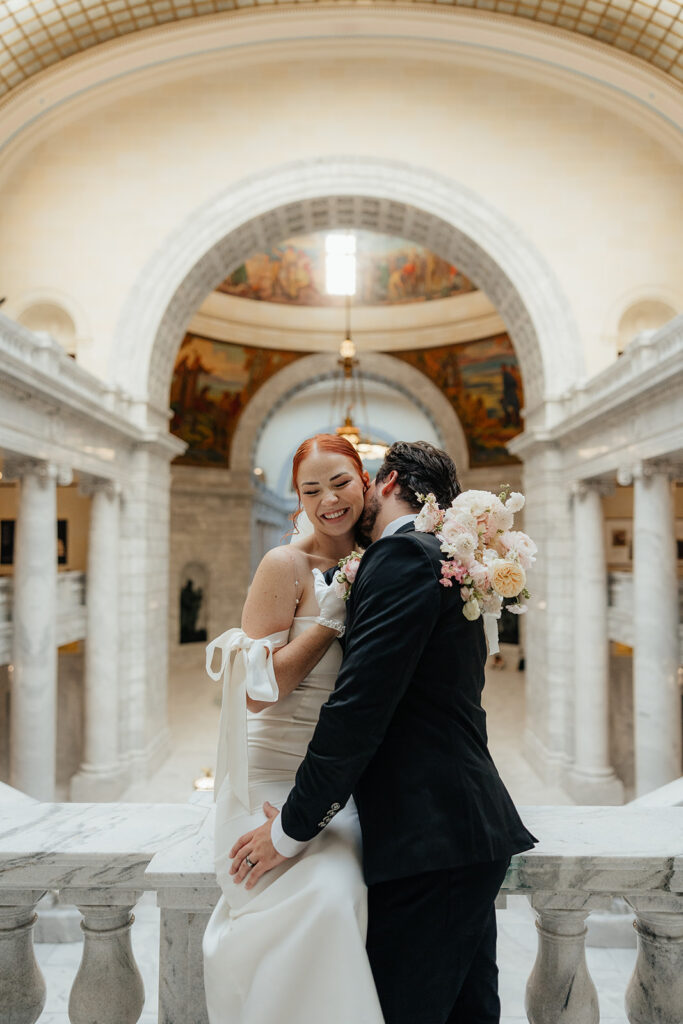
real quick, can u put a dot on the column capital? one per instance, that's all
(89, 485)
(644, 469)
(594, 485)
(16, 467)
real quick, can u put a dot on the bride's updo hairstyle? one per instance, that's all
(323, 443)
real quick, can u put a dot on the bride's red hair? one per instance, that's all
(323, 443)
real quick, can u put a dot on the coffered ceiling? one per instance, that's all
(35, 34)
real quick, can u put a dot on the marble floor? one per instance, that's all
(193, 712)
(193, 720)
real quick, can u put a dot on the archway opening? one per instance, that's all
(393, 199)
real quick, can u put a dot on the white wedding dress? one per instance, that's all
(292, 949)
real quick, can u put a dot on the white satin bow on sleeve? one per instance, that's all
(251, 675)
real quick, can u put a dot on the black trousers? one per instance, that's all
(432, 945)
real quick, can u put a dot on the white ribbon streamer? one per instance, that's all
(251, 675)
(491, 632)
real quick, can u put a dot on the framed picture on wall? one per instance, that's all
(619, 541)
(7, 531)
(62, 546)
(7, 542)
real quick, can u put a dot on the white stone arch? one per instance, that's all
(309, 369)
(375, 194)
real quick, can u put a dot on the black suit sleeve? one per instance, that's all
(396, 601)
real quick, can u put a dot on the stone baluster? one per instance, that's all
(655, 991)
(33, 725)
(591, 779)
(22, 986)
(657, 707)
(100, 776)
(185, 913)
(560, 990)
(108, 987)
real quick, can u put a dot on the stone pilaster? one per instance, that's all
(33, 723)
(548, 741)
(100, 776)
(591, 780)
(656, 698)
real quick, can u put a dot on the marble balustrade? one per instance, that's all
(70, 624)
(101, 857)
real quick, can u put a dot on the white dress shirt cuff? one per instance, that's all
(284, 844)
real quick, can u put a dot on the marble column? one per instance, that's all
(100, 776)
(591, 779)
(33, 719)
(656, 699)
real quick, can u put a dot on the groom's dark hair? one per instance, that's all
(421, 469)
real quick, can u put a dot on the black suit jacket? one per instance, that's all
(404, 729)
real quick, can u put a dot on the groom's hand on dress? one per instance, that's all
(254, 854)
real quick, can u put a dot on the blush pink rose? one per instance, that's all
(351, 568)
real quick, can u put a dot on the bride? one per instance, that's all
(292, 948)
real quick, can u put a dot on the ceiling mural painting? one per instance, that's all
(389, 270)
(213, 382)
(483, 383)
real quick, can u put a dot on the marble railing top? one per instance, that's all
(589, 849)
(53, 845)
(616, 850)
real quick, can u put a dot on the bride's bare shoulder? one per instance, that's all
(283, 558)
(272, 597)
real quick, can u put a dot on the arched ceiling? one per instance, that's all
(35, 34)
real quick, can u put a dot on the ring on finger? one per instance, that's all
(249, 862)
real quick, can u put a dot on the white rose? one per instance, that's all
(474, 502)
(501, 518)
(520, 546)
(489, 556)
(462, 546)
(464, 520)
(508, 577)
(515, 502)
(471, 609)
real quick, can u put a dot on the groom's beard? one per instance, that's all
(366, 523)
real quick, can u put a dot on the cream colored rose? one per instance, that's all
(508, 577)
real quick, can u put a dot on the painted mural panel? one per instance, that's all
(389, 270)
(483, 382)
(213, 381)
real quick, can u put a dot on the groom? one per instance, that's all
(404, 731)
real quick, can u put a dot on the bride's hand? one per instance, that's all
(332, 607)
(254, 854)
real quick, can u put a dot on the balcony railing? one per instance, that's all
(70, 611)
(102, 857)
(621, 608)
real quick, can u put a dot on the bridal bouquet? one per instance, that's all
(343, 580)
(484, 554)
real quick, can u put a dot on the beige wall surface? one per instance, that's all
(91, 203)
(71, 506)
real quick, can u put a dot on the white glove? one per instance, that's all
(332, 607)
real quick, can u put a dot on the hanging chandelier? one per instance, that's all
(349, 393)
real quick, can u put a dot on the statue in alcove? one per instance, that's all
(191, 598)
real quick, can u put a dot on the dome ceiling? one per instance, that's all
(35, 34)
